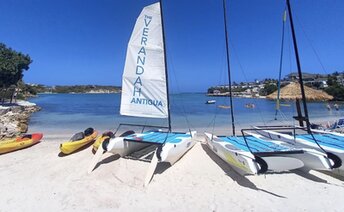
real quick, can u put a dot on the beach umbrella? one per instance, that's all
(293, 92)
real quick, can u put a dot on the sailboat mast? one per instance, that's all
(166, 72)
(228, 66)
(280, 67)
(298, 66)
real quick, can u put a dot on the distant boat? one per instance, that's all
(211, 101)
(224, 106)
(250, 105)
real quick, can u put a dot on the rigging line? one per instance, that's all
(245, 77)
(181, 107)
(288, 30)
(222, 76)
(280, 66)
(289, 50)
(212, 123)
(172, 70)
(284, 117)
(311, 44)
(213, 126)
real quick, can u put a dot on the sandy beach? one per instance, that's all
(37, 179)
(137, 69)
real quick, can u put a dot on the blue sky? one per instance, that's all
(84, 41)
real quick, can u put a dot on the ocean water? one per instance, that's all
(68, 113)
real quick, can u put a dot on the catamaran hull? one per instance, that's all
(246, 163)
(336, 152)
(306, 161)
(118, 146)
(283, 162)
(241, 161)
(313, 157)
(172, 152)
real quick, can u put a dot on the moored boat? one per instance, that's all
(170, 145)
(145, 93)
(212, 101)
(329, 144)
(252, 153)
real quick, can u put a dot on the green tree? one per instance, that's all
(336, 91)
(332, 80)
(211, 90)
(12, 65)
(268, 89)
(334, 88)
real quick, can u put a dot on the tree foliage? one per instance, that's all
(12, 65)
(223, 89)
(268, 89)
(332, 80)
(334, 88)
(35, 89)
(336, 91)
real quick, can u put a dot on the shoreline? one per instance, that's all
(64, 131)
(64, 134)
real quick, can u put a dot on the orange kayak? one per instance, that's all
(20, 142)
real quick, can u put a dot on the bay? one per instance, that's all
(68, 113)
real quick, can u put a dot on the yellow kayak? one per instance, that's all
(78, 141)
(20, 142)
(100, 139)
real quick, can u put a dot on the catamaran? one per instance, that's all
(331, 144)
(252, 153)
(145, 93)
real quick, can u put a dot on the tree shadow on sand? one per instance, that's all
(241, 180)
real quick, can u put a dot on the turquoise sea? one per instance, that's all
(68, 113)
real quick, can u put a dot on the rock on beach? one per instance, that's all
(15, 118)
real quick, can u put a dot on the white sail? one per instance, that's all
(144, 81)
